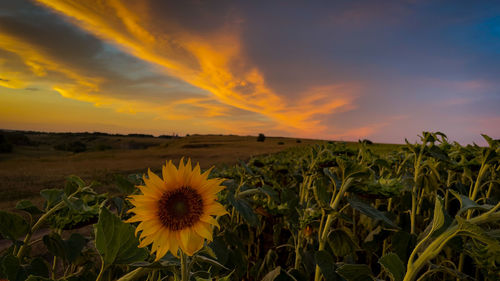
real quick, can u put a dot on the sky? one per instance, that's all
(336, 70)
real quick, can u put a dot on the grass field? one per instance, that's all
(30, 168)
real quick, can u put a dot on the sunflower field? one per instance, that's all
(428, 211)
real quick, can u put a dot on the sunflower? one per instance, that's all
(176, 211)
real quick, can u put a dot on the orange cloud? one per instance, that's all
(206, 61)
(39, 67)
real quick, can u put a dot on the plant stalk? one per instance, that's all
(184, 267)
(329, 219)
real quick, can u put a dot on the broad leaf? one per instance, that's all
(12, 268)
(341, 243)
(115, 240)
(355, 272)
(55, 245)
(403, 244)
(370, 211)
(278, 274)
(438, 219)
(27, 206)
(52, 196)
(476, 232)
(466, 203)
(272, 275)
(205, 259)
(75, 245)
(244, 209)
(393, 265)
(38, 267)
(124, 185)
(12, 226)
(327, 265)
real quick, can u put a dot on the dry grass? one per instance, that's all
(29, 169)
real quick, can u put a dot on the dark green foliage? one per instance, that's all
(393, 265)
(261, 138)
(5, 145)
(12, 226)
(75, 146)
(139, 145)
(116, 241)
(17, 138)
(103, 146)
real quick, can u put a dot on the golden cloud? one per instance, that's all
(203, 60)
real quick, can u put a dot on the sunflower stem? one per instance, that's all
(184, 267)
(101, 272)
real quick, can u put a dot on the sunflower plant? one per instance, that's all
(176, 213)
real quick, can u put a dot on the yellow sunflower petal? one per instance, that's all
(147, 240)
(163, 245)
(138, 218)
(174, 244)
(154, 182)
(190, 241)
(217, 209)
(150, 227)
(211, 188)
(210, 220)
(204, 230)
(169, 175)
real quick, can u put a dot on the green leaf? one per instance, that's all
(115, 240)
(75, 245)
(279, 275)
(466, 203)
(124, 185)
(209, 260)
(341, 243)
(476, 232)
(491, 142)
(393, 265)
(226, 278)
(38, 267)
(76, 180)
(27, 206)
(244, 209)
(55, 244)
(327, 265)
(12, 268)
(269, 191)
(75, 204)
(12, 226)
(355, 272)
(438, 219)
(370, 211)
(52, 196)
(438, 153)
(403, 244)
(272, 275)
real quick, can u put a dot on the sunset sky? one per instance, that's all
(342, 70)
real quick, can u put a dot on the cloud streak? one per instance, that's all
(213, 61)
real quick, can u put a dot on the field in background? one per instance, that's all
(35, 163)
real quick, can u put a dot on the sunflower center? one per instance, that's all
(180, 208)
